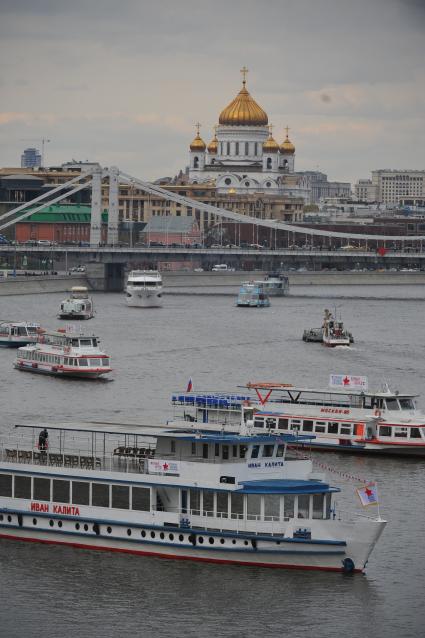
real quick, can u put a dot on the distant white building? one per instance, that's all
(389, 186)
(30, 158)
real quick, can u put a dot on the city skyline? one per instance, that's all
(126, 84)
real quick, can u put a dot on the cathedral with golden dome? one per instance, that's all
(243, 157)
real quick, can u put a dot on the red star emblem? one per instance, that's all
(346, 381)
(165, 466)
(368, 491)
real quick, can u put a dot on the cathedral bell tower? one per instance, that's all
(270, 153)
(197, 152)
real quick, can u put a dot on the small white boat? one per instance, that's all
(144, 289)
(64, 354)
(78, 306)
(252, 294)
(334, 333)
(204, 496)
(18, 333)
(276, 284)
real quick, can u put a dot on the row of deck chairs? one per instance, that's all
(49, 458)
(134, 452)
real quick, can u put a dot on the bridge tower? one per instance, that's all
(96, 207)
(113, 206)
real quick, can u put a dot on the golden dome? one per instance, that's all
(213, 145)
(243, 111)
(198, 144)
(287, 146)
(270, 145)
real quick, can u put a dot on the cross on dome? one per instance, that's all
(244, 71)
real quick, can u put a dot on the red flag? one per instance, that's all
(189, 385)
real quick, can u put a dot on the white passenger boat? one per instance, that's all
(64, 354)
(78, 306)
(18, 333)
(144, 289)
(276, 284)
(204, 496)
(382, 422)
(252, 294)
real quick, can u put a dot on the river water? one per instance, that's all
(53, 591)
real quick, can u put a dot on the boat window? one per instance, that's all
(121, 497)
(392, 404)
(289, 504)
(333, 428)
(94, 342)
(415, 433)
(193, 448)
(400, 433)
(303, 505)
(74, 343)
(271, 507)
(268, 450)
(280, 451)
(234, 451)
(217, 449)
(22, 487)
(253, 507)
(85, 342)
(328, 504)
(22, 331)
(172, 447)
(236, 505)
(320, 428)
(5, 485)
(384, 430)
(318, 500)
(222, 504)
(100, 495)
(225, 452)
(255, 451)
(80, 493)
(242, 451)
(60, 491)
(82, 362)
(258, 423)
(195, 502)
(41, 489)
(406, 404)
(208, 503)
(347, 429)
(204, 450)
(283, 424)
(141, 498)
(308, 426)
(270, 424)
(105, 362)
(95, 363)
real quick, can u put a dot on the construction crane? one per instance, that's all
(43, 141)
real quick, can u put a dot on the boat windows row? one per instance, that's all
(42, 357)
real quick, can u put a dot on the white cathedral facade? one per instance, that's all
(243, 156)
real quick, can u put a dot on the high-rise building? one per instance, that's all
(30, 158)
(389, 186)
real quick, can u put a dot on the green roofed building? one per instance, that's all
(64, 224)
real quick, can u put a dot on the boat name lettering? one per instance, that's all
(334, 411)
(266, 464)
(56, 509)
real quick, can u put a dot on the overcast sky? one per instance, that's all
(123, 83)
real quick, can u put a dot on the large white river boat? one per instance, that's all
(64, 354)
(144, 289)
(18, 333)
(204, 496)
(380, 422)
(78, 306)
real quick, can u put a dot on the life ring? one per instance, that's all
(377, 412)
(67, 349)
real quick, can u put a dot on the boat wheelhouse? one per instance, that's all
(19, 333)
(252, 294)
(342, 420)
(205, 496)
(144, 289)
(78, 306)
(65, 354)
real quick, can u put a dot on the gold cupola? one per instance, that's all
(270, 145)
(213, 145)
(198, 143)
(287, 146)
(243, 110)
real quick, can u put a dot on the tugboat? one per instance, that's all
(18, 333)
(332, 333)
(78, 306)
(252, 294)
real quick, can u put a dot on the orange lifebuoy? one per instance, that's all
(377, 412)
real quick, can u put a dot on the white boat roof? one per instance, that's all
(286, 387)
(100, 427)
(26, 324)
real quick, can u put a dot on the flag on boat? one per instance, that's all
(189, 385)
(368, 494)
(349, 381)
